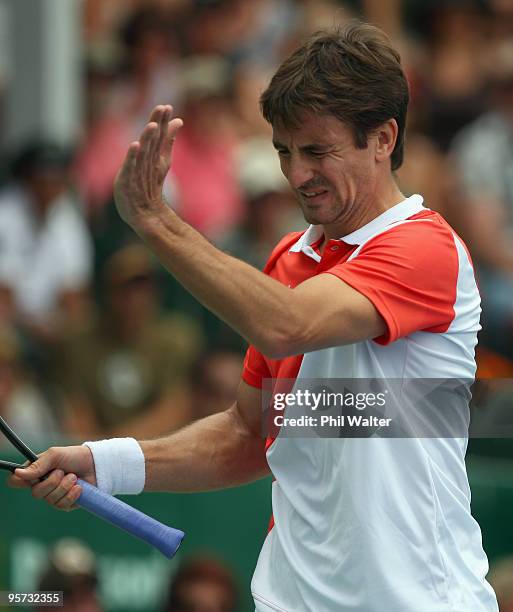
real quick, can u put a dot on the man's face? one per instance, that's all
(332, 179)
(46, 185)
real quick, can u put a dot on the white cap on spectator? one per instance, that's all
(204, 76)
(259, 169)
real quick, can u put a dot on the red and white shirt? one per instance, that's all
(375, 524)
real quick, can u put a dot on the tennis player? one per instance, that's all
(378, 286)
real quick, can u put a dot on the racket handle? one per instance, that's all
(109, 508)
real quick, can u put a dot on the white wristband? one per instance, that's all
(119, 465)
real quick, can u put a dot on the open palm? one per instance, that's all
(138, 184)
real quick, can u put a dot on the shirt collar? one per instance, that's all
(405, 209)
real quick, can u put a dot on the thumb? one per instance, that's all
(39, 468)
(21, 479)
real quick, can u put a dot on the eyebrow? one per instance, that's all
(306, 148)
(278, 145)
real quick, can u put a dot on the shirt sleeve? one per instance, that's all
(255, 368)
(410, 274)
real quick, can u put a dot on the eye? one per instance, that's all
(282, 152)
(317, 153)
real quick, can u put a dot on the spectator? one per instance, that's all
(240, 30)
(453, 78)
(271, 207)
(248, 82)
(22, 403)
(501, 579)
(202, 585)
(209, 197)
(214, 380)
(321, 14)
(151, 72)
(102, 17)
(7, 305)
(125, 374)
(45, 249)
(106, 133)
(71, 568)
(125, 79)
(423, 161)
(484, 155)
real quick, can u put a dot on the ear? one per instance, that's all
(386, 136)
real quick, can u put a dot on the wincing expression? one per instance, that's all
(333, 180)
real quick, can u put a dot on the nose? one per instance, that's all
(297, 171)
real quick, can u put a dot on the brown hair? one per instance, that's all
(352, 73)
(201, 570)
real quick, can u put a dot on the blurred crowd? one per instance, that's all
(95, 338)
(200, 584)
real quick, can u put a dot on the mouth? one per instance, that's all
(313, 196)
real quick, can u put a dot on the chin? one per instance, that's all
(310, 218)
(317, 218)
(324, 213)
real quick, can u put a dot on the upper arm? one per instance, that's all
(248, 409)
(334, 313)
(246, 421)
(402, 281)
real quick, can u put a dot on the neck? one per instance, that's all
(366, 210)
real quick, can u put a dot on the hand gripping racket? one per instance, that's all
(109, 508)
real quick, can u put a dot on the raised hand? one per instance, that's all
(138, 184)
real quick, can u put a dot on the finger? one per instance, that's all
(62, 489)
(156, 114)
(148, 134)
(144, 161)
(173, 128)
(154, 180)
(16, 482)
(129, 164)
(161, 166)
(45, 487)
(68, 502)
(165, 118)
(156, 117)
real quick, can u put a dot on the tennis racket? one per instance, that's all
(165, 539)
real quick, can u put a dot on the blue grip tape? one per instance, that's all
(109, 508)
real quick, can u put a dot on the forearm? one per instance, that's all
(249, 301)
(261, 309)
(216, 452)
